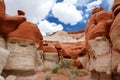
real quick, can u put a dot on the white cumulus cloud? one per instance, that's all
(47, 27)
(92, 5)
(67, 13)
(34, 9)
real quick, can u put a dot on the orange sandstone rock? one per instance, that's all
(20, 12)
(115, 4)
(2, 11)
(78, 64)
(10, 24)
(27, 31)
(95, 10)
(71, 50)
(49, 49)
(98, 25)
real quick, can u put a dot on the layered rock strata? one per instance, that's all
(51, 58)
(98, 44)
(114, 37)
(75, 51)
(22, 44)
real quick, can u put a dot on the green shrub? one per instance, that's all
(67, 63)
(55, 70)
(77, 72)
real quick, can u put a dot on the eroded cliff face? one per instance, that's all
(114, 37)
(102, 43)
(24, 51)
(19, 42)
(98, 44)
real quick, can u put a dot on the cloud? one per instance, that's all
(110, 2)
(92, 5)
(73, 2)
(82, 3)
(47, 27)
(35, 9)
(67, 13)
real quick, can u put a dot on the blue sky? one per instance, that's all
(55, 15)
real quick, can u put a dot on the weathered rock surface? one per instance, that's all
(79, 36)
(11, 77)
(2, 78)
(3, 58)
(71, 50)
(98, 44)
(114, 37)
(2, 43)
(22, 45)
(2, 11)
(51, 57)
(10, 24)
(25, 51)
(62, 36)
(100, 55)
(27, 31)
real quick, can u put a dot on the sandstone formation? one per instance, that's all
(98, 44)
(71, 50)
(62, 36)
(11, 77)
(3, 58)
(2, 11)
(79, 36)
(23, 44)
(75, 51)
(9, 23)
(24, 52)
(51, 57)
(2, 42)
(114, 36)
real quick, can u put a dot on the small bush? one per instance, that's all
(77, 72)
(67, 63)
(55, 70)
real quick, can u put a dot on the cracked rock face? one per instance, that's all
(100, 56)
(23, 55)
